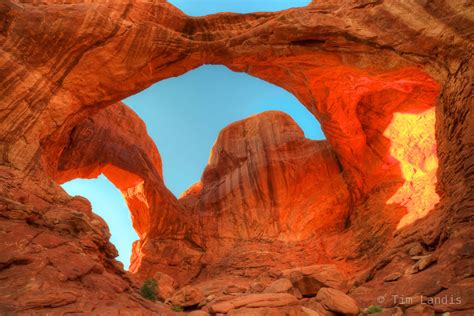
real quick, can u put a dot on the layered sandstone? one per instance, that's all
(267, 196)
(266, 181)
(372, 72)
(114, 142)
(56, 254)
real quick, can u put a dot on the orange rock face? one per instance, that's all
(388, 194)
(256, 186)
(114, 142)
(107, 143)
(413, 146)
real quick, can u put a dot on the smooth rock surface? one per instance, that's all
(336, 301)
(255, 301)
(279, 286)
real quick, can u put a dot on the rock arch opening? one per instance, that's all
(262, 169)
(109, 203)
(363, 69)
(184, 116)
(201, 8)
(215, 97)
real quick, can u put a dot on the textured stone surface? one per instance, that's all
(370, 71)
(114, 142)
(336, 301)
(166, 286)
(256, 187)
(255, 301)
(310, 279)
(266, 311)
(55, 254)
(109, 143)
(260, 174)
(279, 286)
(187, 296)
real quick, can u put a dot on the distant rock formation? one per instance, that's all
(266, 181)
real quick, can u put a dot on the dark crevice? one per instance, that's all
(369, 4)
(15, 262)
(308, 42)
(188, 238)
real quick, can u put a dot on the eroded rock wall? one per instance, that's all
(267, 198)
(114, 142)
(266, 181)
(56, 255)
(356, 65)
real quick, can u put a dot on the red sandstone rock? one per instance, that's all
(166, 286)
(56, 255)
(133, 165)
(316, 306)
(336, 301)
(420, 310)
(197, 313)
(363, 68)
(266, 311)
(279, 286)
(255, 301)
(259, 173)
(187, 296)
(311, 278)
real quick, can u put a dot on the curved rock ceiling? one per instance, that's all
(185, 114)
(387, 80)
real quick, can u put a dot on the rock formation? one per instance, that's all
(256, 186)
(387, 199)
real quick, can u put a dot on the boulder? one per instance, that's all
(165, 286)
(197, 313)
(336, 301)
(420, 310)
(255, 301)
(279, 286)
(256, 287)
(425, 262)
(307, 285)
(267, 311)
(392, 277)
(310, 312)
(308, 280)
(187, 296)
(314, 305)
(395, 311)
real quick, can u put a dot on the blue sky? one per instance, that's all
(184, 116)
(205, 7)
(107, 202)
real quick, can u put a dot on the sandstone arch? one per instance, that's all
(54, 75)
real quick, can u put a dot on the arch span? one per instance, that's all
(114, 142)
(108, 203)
(326, 50)
(354, 96)
(185, 114)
